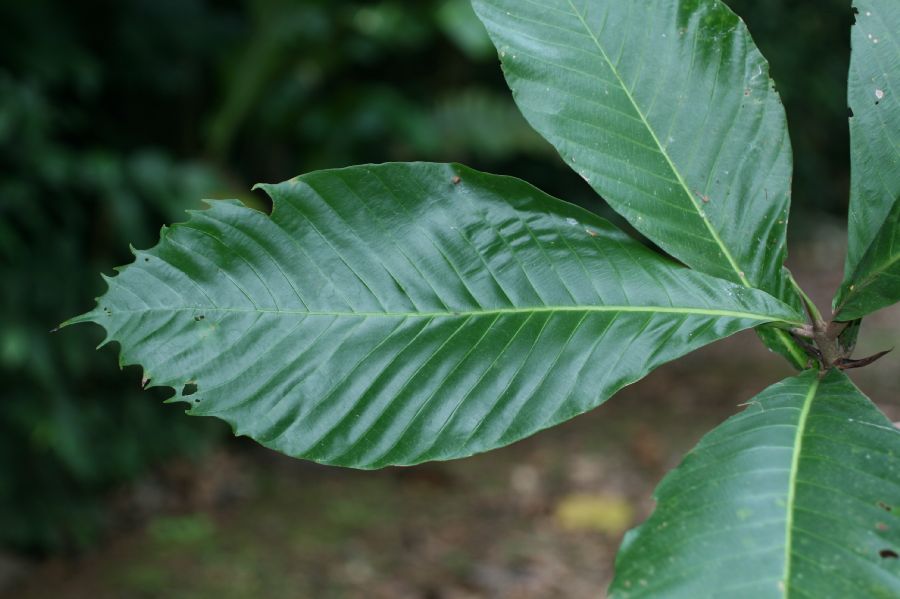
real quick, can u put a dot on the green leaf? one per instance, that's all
(875, 283)
(872, 273)
(407, 312)
(798, 496)
(667, 110)
(782, 343)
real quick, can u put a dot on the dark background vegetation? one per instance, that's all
(117, 115)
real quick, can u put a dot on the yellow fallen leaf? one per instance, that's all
(608, 514)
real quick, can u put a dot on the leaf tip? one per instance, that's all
(177, 399)
(91, 316)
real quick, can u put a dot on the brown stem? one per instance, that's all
(806, 331)
(831, 351)
(835, 328)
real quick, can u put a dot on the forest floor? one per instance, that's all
(541, 518)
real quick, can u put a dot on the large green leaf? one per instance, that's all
(798, 496)
(872, 274)
(406, 312)
(667, 110)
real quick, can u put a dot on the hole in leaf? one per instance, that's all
(854, 14)
(888, 554)
(849, 112)
(188, 389)
(884, 506)
(263, 202)
(146, 259)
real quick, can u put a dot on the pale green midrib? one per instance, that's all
(93, 316)
(798, 355)
(792, 483)
(791, 347)
(715, 235)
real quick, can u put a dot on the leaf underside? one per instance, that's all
(799, 495)
(872, 273)
(667, 110)
(400, 313)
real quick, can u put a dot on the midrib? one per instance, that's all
(715, 234)
(458, 313)
(792, 483)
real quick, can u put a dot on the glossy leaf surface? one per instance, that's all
(667, 110)
(876, 280)
(872, 274)
(407, 312)
(798, 496)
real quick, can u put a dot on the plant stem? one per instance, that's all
(811, 308)
(825, 335)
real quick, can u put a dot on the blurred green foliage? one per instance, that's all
(117, 115)
(83, 174)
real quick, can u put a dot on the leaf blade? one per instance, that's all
(399, 313)
(700, 231)
(873, 84)
(774, 519)
(875, 283)
(634, 109)
(872, 273)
